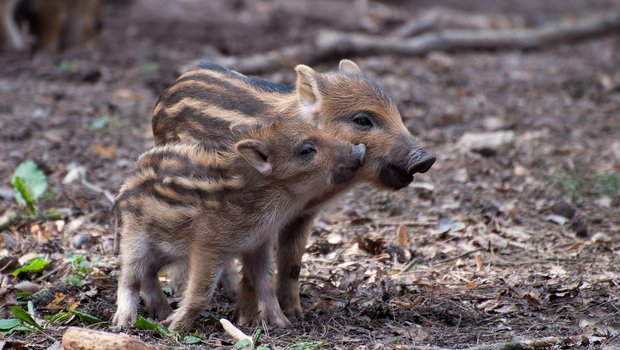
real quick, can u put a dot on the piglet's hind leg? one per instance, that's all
(257, 264)
(205, 266)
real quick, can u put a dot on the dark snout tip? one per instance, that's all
(359, 152)
(423, 164)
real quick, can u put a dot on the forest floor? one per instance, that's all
(510, 241)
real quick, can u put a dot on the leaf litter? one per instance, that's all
(487, 247)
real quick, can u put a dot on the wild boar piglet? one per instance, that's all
(205, 104)
(184, 202)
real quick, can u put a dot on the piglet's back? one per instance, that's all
(170, 185)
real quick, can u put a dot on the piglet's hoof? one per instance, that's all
(275, 318)
(294, 313)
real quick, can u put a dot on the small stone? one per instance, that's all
(557, 219)
(27, 286)
(563, 209)
(80, 240)
(486, 143)
(580, 228)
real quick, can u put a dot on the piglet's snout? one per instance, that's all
(358, 153)
(420, 162)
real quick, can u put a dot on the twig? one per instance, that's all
(109, 196)
(234, 332)
(413, 262)
(46, 275)
(329, 44)
(117, 237)
(405, 222)
(503, 262)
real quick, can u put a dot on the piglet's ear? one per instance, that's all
(256, 153)
(307, 92)
(348, 66)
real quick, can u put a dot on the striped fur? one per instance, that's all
(184, 203)
(346, 103)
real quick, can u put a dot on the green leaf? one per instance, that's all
(150, 67)
(24, 316)
(35, 264)
(99, 123)
(9, 323)
(89, 319)
(146, 325)
(256, 336)
(22, 196)
(32, 180)
(260, 347)
(31, 309)
(192, 339)
(59, 317)
(22, 295)
(243, 343)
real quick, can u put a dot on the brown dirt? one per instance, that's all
(538, 278)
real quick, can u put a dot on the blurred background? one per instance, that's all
(527, 138)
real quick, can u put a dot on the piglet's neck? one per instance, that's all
(262, 192)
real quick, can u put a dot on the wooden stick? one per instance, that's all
(234, 332)
(332, 44)
(450, 18)
(446, 40)
(88, 339)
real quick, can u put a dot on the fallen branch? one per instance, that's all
(88, 339)
(443, 17)
(521, 345)
(330, 44)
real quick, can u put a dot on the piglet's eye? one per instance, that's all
(307, 151)
(363, 119)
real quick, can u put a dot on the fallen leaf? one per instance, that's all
(479, 263)
(556, 271)
(403, 239)
(532, 298)
(103, 152)
(55, 304)
(370, 246)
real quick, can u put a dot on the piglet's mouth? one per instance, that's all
(396, 177)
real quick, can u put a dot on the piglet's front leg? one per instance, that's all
(291, 247)
(203, 272)
(257, 267)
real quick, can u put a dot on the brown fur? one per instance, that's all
(338, 102)
(183, 204)
(55, 24)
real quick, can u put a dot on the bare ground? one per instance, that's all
(483, 263)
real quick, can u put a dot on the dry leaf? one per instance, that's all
(532, 298)
(403, 239)
(55, 304)
(479, 263)
(103, 152)
(371, 246)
